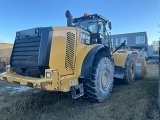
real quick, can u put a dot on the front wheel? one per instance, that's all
(129, 74)
(98, 88)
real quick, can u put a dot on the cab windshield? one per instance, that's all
(89, 25)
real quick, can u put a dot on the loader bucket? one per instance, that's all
(140, 64)
(140, 71)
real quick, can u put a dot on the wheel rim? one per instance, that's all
(105, 79)
(132, 71)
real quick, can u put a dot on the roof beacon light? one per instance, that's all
(86, 14)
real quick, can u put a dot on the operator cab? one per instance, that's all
(96, 25)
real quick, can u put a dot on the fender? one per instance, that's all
(88, 60)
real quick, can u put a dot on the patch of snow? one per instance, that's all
(14, 90)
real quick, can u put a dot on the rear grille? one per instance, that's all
(31, 51)
(25, 52)
(69, 59)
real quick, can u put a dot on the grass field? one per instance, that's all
(127, 102)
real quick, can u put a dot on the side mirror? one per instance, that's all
(110, 25)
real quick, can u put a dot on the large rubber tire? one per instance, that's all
(129, 74)
(98, 88)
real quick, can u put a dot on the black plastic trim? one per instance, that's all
(41, 62)
(45, 46)
(119, 72)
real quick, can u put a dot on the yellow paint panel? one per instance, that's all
(55, 83)
(119, 59)
(54, 86)
(58, 50)
(67, 81)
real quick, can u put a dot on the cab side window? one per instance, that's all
(101, 30)
(102, 33)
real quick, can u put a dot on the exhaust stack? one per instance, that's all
(69, 18)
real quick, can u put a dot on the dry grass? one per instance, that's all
(5, 45)
(127, 102)
(2, 66)
(5, 52)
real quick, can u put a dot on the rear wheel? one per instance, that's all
(98, 88)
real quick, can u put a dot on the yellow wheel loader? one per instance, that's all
(78, 58)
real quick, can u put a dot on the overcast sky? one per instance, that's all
(126, 15)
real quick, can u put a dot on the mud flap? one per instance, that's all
(119, 72)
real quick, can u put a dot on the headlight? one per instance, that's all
(48, 75)
(88, 40)
(85, 38)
